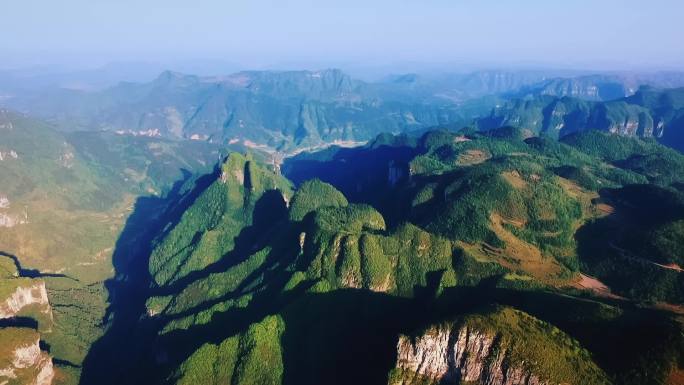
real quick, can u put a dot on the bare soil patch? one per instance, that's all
(514, 179)
(597, 287)
(470, 157)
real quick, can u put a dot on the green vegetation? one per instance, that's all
(667, 242)
(254, 357)
(218, 217)
(8, 268)
(498, 210)
(539, 347)
(237, 277)
(312, 195)
(633, 253)
(11, 339)
(658, 164)
(69, 197)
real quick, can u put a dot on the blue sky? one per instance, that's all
(620, 34)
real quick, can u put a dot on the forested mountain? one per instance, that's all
(278, 109)
(342, 192)
(64, 200)
(648, 113)
(368, 272)
(291, 110)
(222, 230)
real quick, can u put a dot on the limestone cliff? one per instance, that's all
(456, 356)
(22, 362)
(27, 292)
(485, 350)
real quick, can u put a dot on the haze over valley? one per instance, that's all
(392, 193)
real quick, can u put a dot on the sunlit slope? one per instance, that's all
(308, 283)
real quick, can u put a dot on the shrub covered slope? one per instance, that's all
(259, 282)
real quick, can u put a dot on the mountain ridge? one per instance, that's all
(321, 279)
(287, 110)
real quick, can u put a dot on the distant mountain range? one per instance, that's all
(647, 113)
(300, 109)
(182, 230)
(279, 109)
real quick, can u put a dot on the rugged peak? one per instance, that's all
(234, 167)
(498, 348)
(169, 77)
(312, 195)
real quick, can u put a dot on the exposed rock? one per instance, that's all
(27, 363)
(302, 241)
(500, 346)
(7, 155)
(239, 176)
(7, 220)
(151, 133)
(67, 159)
(642, 126)
(446, 355)
(25, 295)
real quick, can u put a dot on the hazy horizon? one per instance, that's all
(393, 36)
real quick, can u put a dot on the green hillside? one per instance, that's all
(250, 282)
(649, 113)
(287, 111)
(64, 201)
(283, 110)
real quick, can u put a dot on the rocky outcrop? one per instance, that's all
(452, 356)
(637, 124)
(559, 117)
(21, 359)
(7, 155)
(25, 362)
(23, 296)
(8, 219)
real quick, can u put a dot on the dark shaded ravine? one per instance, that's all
(32, 273)
(123, 353)
(358, 328)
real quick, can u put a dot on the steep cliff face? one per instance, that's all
(595, 88)
(484, 350)
(456, 356)
(27, 293)
(245, 198)
(558, 117)
(22, 362)
(648, 113)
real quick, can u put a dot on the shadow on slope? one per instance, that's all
(128, 337)
(363, 174)
(635, 249)
(31, 273)
(350, 335)
(131, 351)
